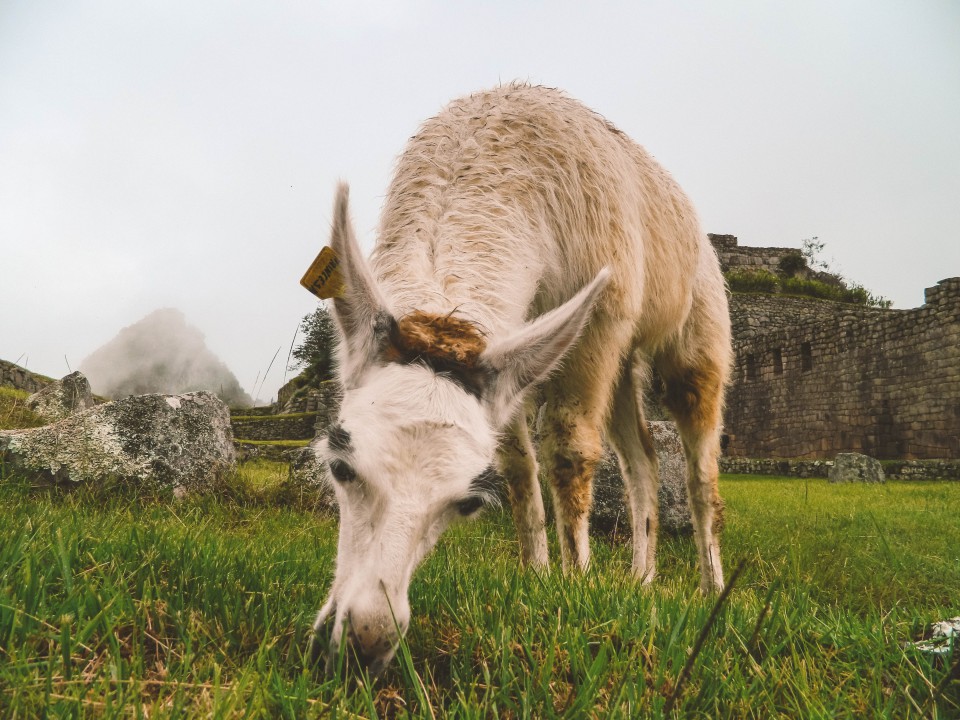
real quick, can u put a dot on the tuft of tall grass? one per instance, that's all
(14, 411)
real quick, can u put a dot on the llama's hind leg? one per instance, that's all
(518, 465)
(694, 396)
(631, 439)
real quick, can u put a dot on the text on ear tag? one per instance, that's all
(323, 277)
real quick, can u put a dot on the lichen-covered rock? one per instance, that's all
(308, 475)
(610, 513)
(62, 398)
(179, 442)
(854, 467)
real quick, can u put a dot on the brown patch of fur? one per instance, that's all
(441, 337)
(572, 479)
(695, 398)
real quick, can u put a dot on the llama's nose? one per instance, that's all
(372, 638)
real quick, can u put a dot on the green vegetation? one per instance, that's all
(315, 355)
(762, 281)
(132, 606)
(280, 443)
(803, 273)
(844, 292)
(752, 281)
(14, 412)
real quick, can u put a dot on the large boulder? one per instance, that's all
(159, 442)
(610, 513)
(854, 467)
(62, 398)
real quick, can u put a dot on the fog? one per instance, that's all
(162, 353)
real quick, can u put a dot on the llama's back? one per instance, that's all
(510, 200)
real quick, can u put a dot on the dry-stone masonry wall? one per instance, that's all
(299, 426)
(814, 378)
(734, 256)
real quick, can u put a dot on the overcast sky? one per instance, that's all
(185, 154)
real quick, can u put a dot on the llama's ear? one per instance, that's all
(530, 354)
(360, 310)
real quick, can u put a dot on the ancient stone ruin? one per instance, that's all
(814, 378)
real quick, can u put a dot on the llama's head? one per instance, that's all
(413, 448)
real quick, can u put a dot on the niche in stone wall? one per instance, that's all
(806, 357)
(751, 366)
(777, 361)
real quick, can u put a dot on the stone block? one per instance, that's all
(62, 398)
(854, 467)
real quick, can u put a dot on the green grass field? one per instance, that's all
(138, 607)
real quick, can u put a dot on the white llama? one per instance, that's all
(520, 230)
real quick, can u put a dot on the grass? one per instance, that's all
(277, 443)
(763, 281)
(14, 412)
(261, 418)
(752, 281)
(136, 607)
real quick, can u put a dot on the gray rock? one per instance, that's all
(854, 467)
(308, 476)
(179, 442)
(610, 513)
(62, 398)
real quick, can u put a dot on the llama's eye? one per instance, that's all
(342, 472)
(470, 505)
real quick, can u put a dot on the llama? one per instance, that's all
(524, 241)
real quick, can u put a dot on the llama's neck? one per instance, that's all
(482, 276)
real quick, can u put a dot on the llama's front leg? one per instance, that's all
(570, 450)
(518, 465)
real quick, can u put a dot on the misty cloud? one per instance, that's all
(161, 353)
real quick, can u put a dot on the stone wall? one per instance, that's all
(734, 256)
(21, 378)
(814, 378)
(295, 397)
(893, 469)
(755, 315)
(299, 426)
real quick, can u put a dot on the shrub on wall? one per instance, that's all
(752, 281)
(791, 264)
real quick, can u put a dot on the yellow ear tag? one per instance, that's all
(323, 277)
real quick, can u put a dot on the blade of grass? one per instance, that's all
(701, 639)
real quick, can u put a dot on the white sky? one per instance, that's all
(185, 154)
